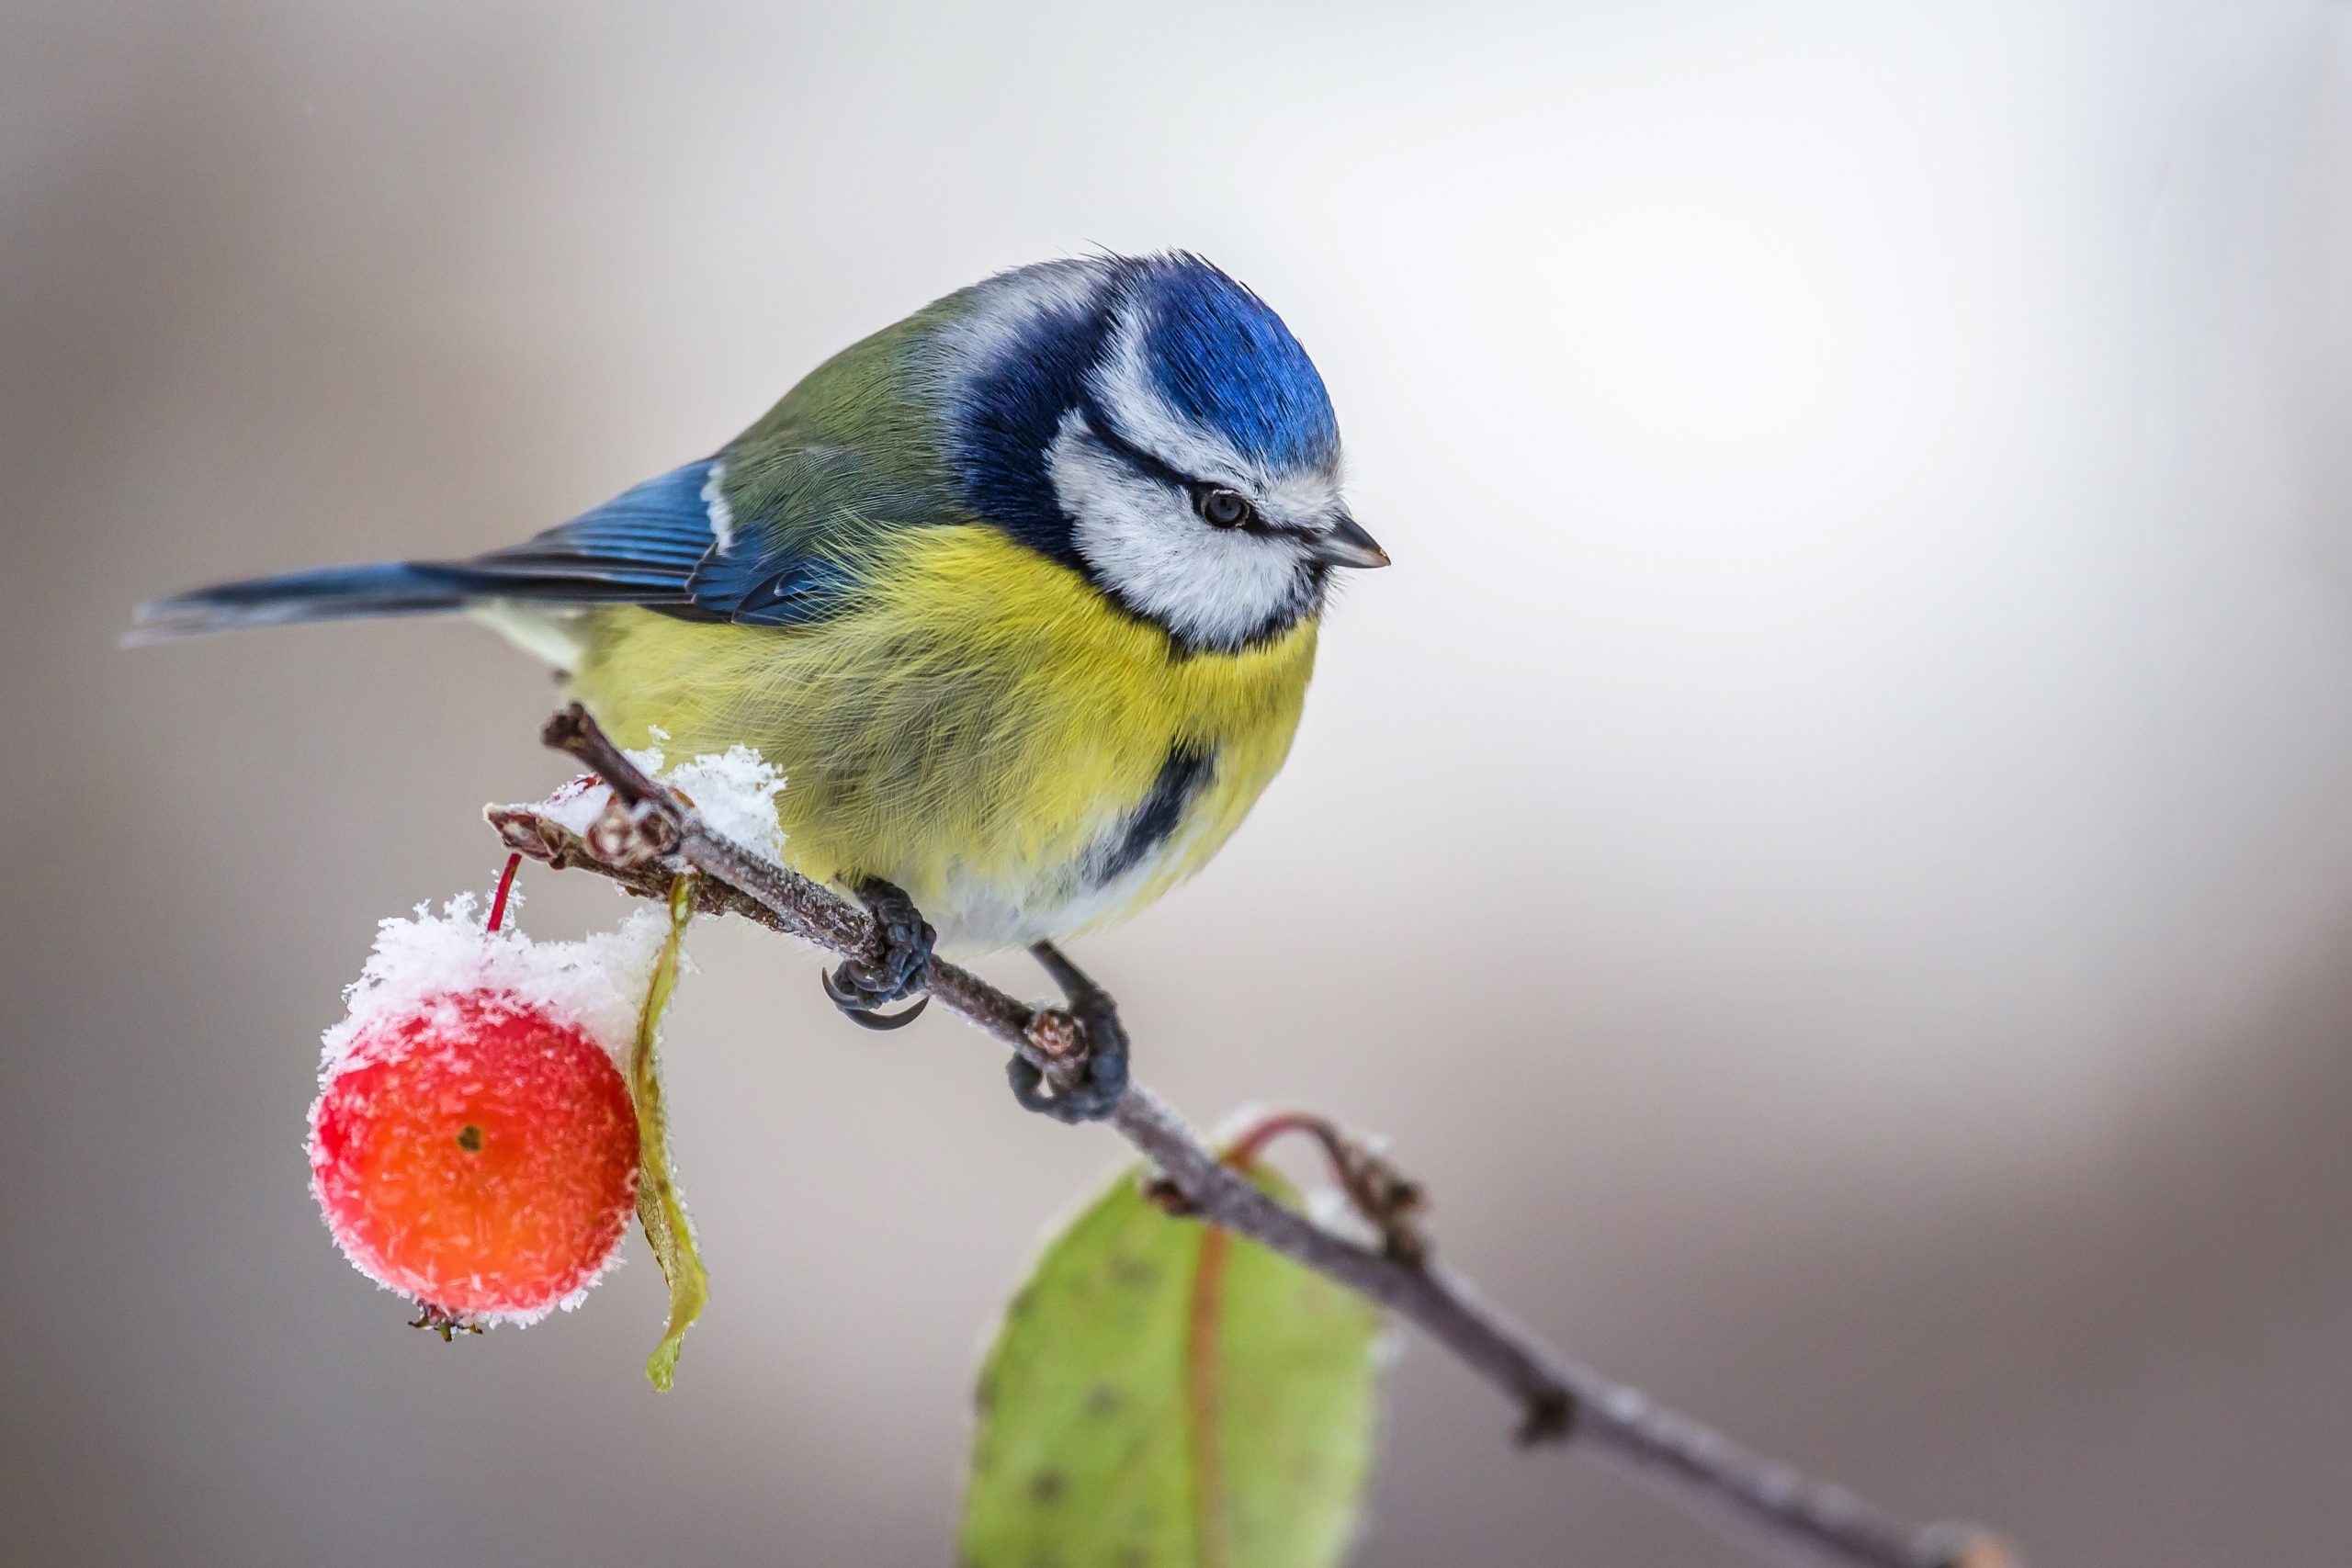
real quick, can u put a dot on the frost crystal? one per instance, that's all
(734, 790)
(596, 983)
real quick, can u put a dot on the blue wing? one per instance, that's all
(641, 547)
(667, 545)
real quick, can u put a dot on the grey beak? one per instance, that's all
(1348, 544)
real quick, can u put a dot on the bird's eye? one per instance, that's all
(1223, 508)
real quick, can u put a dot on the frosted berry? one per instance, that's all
(476, 1153)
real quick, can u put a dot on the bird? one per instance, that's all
(1020, 593)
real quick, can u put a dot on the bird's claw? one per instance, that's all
(860, 988)
(1090, 1044)
(854, 1008)
(1093, 1097)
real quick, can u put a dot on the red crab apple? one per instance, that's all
(477, 1153)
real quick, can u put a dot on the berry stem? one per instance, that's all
(505, 886)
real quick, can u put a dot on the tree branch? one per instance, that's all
(648, 825)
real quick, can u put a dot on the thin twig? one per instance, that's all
(1383, 1197)
(1559, 1398)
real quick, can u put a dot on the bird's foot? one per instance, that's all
(1088, 1042)
(859, 988)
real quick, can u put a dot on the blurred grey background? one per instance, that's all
(1831, 852)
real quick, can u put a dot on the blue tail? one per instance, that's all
(329, 593)
(641, 547)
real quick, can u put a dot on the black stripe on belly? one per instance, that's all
(1180, 779)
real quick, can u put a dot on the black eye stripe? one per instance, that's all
(1098, 422)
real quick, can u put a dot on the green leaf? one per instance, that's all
(1164, 1394)
(658, 1207)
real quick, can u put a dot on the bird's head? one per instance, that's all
(1153, 425)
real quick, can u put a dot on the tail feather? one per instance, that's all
(328, 594)
(405, 588)
(641, 547)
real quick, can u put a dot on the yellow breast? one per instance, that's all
(984, 730)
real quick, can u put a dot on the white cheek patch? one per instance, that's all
(1213, 586)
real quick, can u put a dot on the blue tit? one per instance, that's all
(1020, 593)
